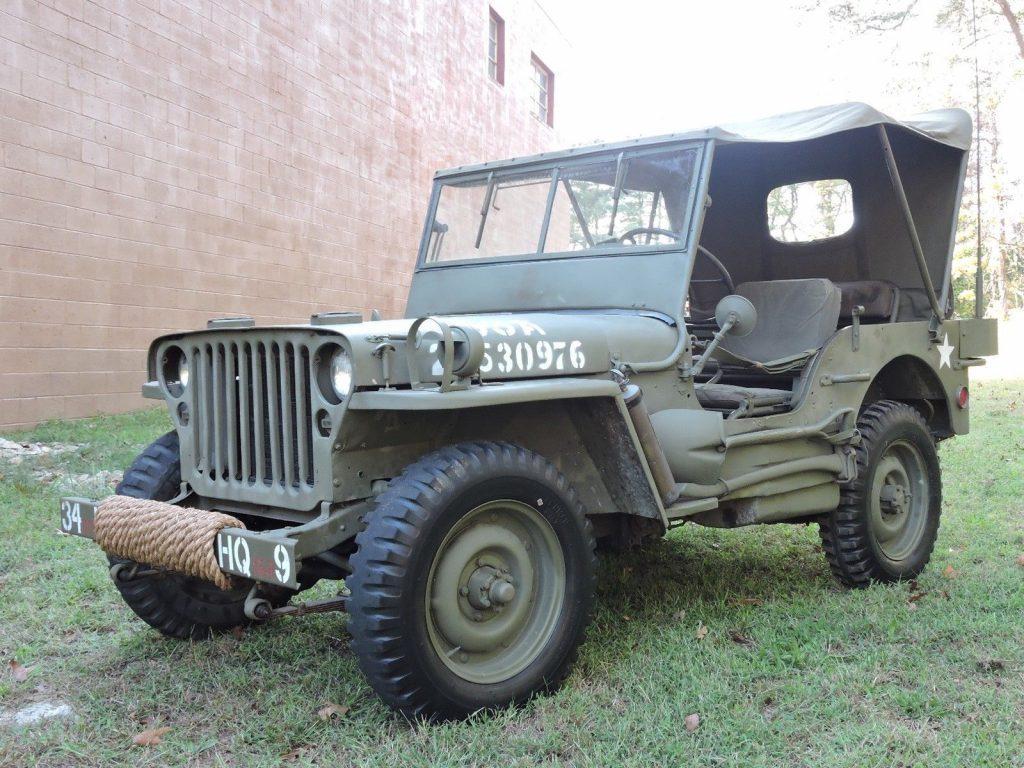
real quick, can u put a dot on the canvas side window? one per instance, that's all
(810, 210)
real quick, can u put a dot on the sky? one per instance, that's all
(644, 67)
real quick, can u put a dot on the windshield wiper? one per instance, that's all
(488, 197)
(439, 229)
(620, 173)
(579, 213)
(654, 212)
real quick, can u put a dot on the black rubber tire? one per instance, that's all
(404, 528)
(178, 606)
(851, 550)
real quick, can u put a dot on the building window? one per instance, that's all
(543, 92)
(496, 48)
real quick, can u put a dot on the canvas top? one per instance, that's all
(950, 127)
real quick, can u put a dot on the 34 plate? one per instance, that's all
(78, 517)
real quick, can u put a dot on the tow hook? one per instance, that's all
(122, 573)
(261, 609)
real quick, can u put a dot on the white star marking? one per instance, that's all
(945, 350)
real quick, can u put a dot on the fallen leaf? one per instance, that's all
(152, 737)
(702, 632)
(746, 601)
(692, 722)
(332, 712)
(626, 617)
(949, 572)
(912, 607)
(991, 665)
(740, 639)
(679, 615)
(238, 632)
(293, 754)
(18, 672)
(915, 597)
(1020, 560)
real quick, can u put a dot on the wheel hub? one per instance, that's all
(899, 500)
(495, 591)
(894, 498)
(489, 588)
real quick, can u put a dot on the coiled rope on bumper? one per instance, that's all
(163, 536)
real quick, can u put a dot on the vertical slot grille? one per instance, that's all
(253, 413)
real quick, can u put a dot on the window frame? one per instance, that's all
(693, 210)
(496, 23)
(811, 244)
(539, 67)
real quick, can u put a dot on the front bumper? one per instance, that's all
(271, 557)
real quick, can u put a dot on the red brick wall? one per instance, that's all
(165, 162)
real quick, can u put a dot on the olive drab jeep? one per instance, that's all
(728, 327)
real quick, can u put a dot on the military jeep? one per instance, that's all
(727, 327)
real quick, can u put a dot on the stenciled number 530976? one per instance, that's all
(527, 355)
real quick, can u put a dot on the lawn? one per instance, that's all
(744, 628)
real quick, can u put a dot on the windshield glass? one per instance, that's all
(625, 200)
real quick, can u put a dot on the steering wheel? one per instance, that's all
(630, 236)
(724, 278)
(723, 274)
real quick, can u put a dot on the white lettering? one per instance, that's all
(283, 563)
(224, 559)
(559, 347)
(242, 558)
(576, 357)
(72, 518)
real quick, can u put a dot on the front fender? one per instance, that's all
(582, 424)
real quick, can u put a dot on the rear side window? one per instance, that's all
(810, 210)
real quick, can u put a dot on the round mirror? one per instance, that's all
(740, 311)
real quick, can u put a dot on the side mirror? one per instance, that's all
(735, 315)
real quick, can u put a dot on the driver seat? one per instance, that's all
(794, 320)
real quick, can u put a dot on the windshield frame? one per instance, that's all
(565, 161)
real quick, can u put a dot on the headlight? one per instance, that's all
(183, 371)
(341, 373)
(174, 370)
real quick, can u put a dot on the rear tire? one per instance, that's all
(885, 527)
(472, 583)
(178, 606)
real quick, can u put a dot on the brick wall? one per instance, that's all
(165, 162)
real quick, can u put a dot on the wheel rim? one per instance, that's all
(495, 591)
(899, 500)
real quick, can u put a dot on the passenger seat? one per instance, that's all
(794, 320)
(880, 299)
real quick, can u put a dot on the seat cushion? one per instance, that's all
(731, 396)
(794, 319)
(878, 297)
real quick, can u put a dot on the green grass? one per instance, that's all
(824, 676)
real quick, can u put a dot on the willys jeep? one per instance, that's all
(725, 327)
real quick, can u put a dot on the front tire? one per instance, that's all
(178, 606)
(472, 583)
(888, 518)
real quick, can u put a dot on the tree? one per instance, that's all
(986, 62)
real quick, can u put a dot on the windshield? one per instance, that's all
(624, 200)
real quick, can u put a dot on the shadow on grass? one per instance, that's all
(710, 576)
